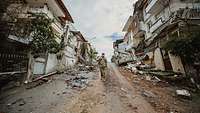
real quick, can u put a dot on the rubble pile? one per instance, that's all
(75, 77)
(160, 94)
(152, 74)
(85, 68)
(80, 81)
(79, 77)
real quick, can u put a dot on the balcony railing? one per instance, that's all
(187, 14)
(194, 14)
(156, 6)
(151, 5)
(157, 24)
(41, 10)
(57, 26)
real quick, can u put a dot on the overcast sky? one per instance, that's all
(103, 19)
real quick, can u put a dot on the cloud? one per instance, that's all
(101, 19)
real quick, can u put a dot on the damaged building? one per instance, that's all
(153, 24)
(17, 61)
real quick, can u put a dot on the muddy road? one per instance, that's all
(115, 95)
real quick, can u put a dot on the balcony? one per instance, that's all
(41, 10)
(184, 13)
(194, 14)
(58, 39)
(189, 13)
(19, 39)
(155, 6)
(52, 5)
(57, 27)
(156, 25)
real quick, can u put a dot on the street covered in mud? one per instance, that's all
(84, 92)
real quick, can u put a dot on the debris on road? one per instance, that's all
(148, 94)
(183, 93)
(152, 78)
(79, 81)
(152, 74)
(43, 76)
(161, 92)
(19, 101)
(123, 90)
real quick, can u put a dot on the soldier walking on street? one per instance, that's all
(103, 66)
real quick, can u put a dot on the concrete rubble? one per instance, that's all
(183, 93)
(79, 81)
(151, 74)
(76, 77)
(160, 78)
(79, 77)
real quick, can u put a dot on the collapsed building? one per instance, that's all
(153, 24)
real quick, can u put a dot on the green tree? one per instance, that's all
(36, 27)
(187, 47)
(43, 37)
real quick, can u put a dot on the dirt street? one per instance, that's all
(115, 95)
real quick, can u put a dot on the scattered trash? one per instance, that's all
(80, 81)
(152, 78)
(148, 78)
(183, 93)
(148, 94)
(123, 90)
(20, 102)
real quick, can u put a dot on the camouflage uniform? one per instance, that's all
(102, 65)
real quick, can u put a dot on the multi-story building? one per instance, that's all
(56, 10)
(151, 26)
(164, 18)
(18, 47)
(135, 31)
